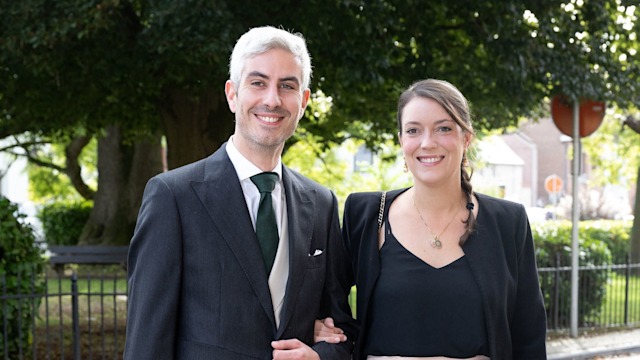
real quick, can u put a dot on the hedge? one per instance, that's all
(601, 242)
(21, 272)
(62, 223)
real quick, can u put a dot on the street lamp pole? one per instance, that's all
(575, 217)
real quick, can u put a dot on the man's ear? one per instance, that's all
(305, 98)
(230, 92)
(303, 103)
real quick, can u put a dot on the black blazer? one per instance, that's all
(500, 253)
(197, 285)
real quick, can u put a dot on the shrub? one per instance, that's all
(553, 249)
(62, 223)
(21, 273)
(615, 233)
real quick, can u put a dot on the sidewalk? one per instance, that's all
(593, 346)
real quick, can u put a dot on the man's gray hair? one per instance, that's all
(262, 39)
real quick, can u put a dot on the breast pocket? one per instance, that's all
(316, 258)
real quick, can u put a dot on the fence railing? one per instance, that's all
(73, 317)
(608, 296)
(84, 316)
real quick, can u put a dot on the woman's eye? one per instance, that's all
(411, 131)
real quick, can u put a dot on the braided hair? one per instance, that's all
(456, 105)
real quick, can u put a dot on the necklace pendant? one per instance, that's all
(436, 243)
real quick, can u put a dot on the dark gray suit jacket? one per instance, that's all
(502, 259)
(197, 285)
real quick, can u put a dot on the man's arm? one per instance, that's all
(154, 276)
(335, 296)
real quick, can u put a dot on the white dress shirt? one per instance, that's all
(245, 169)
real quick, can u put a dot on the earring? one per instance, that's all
(405, 168)
(465, 161)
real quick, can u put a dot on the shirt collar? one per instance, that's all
(245, 168)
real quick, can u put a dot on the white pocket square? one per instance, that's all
(317, 252)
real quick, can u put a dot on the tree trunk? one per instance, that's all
(123, 171)
(195, 126)
(635, 230)
(73, 169)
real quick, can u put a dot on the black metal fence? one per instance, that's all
(84, 316)
(74, 317)
(608, 296)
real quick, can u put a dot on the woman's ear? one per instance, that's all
(467, 140)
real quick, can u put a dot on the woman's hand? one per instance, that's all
(325, 330)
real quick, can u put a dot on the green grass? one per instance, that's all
(94, 285)
(102, 308)
(101, 298)
(613, 308)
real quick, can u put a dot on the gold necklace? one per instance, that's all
(435, 242)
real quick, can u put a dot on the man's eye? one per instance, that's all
(257, 83)
(287, 86)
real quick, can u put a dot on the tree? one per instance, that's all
(617, 138)
(158, 67)
(633, 123)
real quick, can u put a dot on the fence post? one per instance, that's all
(75, 316)
(556, 292)
(21, 336)
(627, 275)
(5, 332)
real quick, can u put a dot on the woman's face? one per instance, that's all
(432, 142)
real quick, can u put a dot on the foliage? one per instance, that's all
(47, 184)
(594, 204)
(158, 66)
(614, 141)
(21, 272)
(553, 249)
(616, 234)
(134, 53)
(610, 143)
(605, 147)
(62, 223)
(332, 167)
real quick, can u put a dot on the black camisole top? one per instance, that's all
(419, 310)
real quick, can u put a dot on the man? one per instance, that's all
(199, 285)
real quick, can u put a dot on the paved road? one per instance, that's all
(620, 356)
(613, 345)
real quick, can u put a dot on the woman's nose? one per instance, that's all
(427, 141)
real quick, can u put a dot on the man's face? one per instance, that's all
(268, 102)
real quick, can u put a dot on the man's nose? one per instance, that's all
(272, 97)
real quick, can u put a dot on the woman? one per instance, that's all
(449, 273)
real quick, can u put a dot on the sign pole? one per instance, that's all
(575, 216)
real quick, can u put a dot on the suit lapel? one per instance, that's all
(301, 204)
(221, 194)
